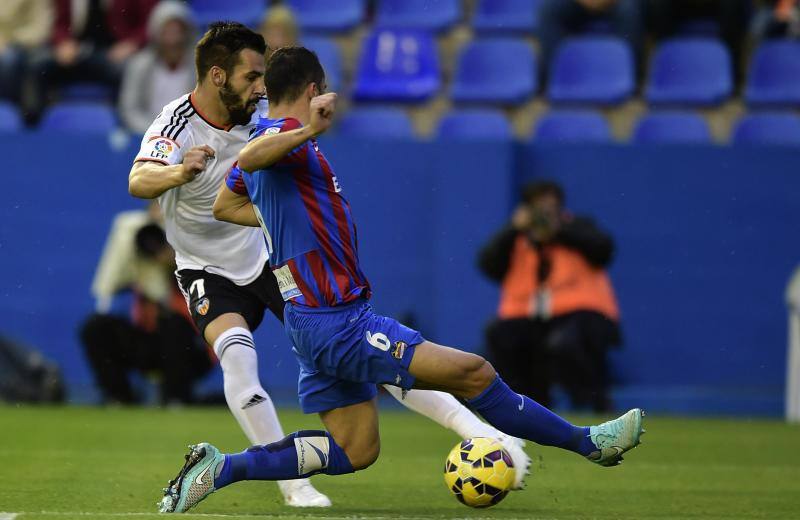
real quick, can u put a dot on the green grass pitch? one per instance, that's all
(88, 463)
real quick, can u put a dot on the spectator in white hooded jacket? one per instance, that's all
(163, 70)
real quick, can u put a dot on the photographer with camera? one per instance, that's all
(557, 315)
(158, 340)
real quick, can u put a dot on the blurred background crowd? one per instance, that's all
(563, 70)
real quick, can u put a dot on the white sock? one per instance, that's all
(248, 401)
(445, 410)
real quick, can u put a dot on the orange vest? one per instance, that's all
(572, 285)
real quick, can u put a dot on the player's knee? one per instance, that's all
(478, 376)
(362, 454)
(366, 457)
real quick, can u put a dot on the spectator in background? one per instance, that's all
(279, 28)
(160, 338)
(25, 26)
(559, 18)
(664, 17)
(557, 316)
(163, 70)
(92, 40)
(777, 19)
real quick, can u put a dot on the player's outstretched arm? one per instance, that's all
(234, 208)
(149, 179)
(266, 150)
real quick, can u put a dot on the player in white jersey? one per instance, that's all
(222, 268)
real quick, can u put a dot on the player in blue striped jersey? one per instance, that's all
(284, 184)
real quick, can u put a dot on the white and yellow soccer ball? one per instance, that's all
(479, 472)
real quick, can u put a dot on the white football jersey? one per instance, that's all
(200, 241)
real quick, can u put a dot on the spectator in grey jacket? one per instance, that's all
(163, 70)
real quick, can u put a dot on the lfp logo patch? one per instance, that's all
(161, 149)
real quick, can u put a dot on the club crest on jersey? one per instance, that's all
(161, 149)
(399, 349)
(203, 306)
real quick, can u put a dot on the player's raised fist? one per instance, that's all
(195, 160)
(322, 110)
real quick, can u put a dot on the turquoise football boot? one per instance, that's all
(195, 480)
(613, 438)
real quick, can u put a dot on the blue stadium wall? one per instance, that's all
(707, 239)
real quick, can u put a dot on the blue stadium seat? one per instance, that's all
(496, 70)
(10, 120)
(79, 117)
(597, 70)
(328, 53)
(506, 16)
(327, 16)
(430, 15)
(774, 77)
(248, 12)
(573, 126)
(672, 127)
(690, 71)
(375, 123)
(86, 91)
(398, 65)
(474, 124)
(768, 128)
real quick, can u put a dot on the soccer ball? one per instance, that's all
(479, 472)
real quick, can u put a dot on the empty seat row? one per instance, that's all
(402, 66)
(572, 126)
(343, 15)
(669, 128)
(76, 116)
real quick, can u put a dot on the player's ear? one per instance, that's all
(218, 76)
(312, 91)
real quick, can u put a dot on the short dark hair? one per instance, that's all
(538, 189)
(290, 70)
(221, 44)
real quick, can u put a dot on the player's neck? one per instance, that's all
(299, 110)
(209, 104)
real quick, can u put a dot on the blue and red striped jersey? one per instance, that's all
(309, 228)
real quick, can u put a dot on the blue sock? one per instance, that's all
(298, 455)
(523, 417)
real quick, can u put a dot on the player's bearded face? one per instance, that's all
(239, 104)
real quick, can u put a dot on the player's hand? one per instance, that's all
(195, 160)
(322, 110)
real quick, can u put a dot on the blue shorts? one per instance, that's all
(345, 351)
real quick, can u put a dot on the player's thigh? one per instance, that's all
(436, 367)
(355, 430)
